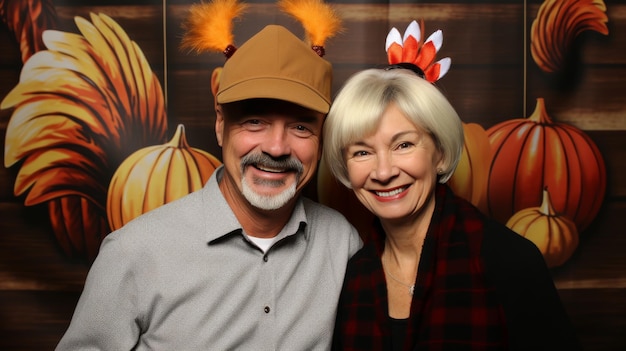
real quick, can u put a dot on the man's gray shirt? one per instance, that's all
(185, 277)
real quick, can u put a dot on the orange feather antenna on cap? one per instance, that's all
(209, 26)
(320, 21)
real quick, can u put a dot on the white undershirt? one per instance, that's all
(263, 243)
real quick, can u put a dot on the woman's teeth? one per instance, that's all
(389, 193)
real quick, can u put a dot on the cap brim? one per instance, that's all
(275, 88)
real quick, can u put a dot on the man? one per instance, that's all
(246, 263)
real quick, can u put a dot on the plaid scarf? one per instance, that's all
(453, 307)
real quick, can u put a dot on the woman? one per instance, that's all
(435, 273)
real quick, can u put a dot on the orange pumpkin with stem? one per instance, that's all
(531, 153)
(156, 175)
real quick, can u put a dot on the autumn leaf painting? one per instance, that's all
(80, 108)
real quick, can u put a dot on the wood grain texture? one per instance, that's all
(492, 79)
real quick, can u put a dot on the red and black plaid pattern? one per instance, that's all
(453, 307)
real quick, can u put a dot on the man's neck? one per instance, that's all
(255, 221)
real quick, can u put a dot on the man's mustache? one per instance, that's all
(266, 161)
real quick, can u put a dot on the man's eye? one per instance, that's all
(253, 124)
(302, 130)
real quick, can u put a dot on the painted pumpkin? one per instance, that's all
(530, 154)
(469, 180)
(555, 235)
(156, 175)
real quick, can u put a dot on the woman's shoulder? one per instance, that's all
(501, 242)
(365, 260)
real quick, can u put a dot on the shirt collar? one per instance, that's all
(221, 221)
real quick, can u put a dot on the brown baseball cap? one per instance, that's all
(275, 64)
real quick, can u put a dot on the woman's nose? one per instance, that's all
(385, 169)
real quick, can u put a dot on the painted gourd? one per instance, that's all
(555, 235)
(533, 153)
(469, 180)
(156, 175)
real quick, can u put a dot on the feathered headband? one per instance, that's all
(410, 52)
(209, 25)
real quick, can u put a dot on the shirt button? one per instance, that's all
(265, 258)
(266, 309)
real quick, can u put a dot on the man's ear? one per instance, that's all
(215, 82)
(219, 124)
(219, 115)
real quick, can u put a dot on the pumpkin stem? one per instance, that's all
(179, 139)
(540, 115)
(546, 205)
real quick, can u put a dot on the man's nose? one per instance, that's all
(276, 143)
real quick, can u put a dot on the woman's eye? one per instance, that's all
(404, 145)
(360, 153)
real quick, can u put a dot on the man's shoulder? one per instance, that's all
(331, 223)
(171, 217)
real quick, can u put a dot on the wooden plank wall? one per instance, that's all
(492, 79)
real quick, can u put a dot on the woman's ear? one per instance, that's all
(442, 164)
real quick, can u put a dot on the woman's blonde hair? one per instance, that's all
(356, 111)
